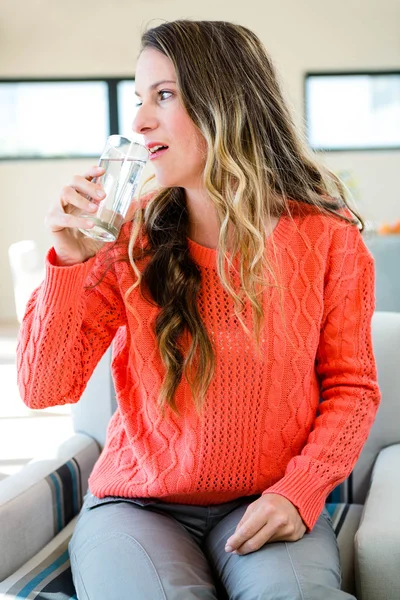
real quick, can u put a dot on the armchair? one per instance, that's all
(38, 505)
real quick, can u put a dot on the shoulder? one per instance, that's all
(335, 249)
(326, 243)
(325, 229)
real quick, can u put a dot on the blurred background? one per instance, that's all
(66, 82)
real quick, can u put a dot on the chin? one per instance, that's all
(167, 181)
(167, 178)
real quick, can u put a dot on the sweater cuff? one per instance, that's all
(306, 491)
(62, 282)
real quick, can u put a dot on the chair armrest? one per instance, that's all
(38, 501)
(45, 575)
(377, 542)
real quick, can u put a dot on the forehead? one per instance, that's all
(152, 66)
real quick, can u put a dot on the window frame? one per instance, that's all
(113, 117)
(309, 74)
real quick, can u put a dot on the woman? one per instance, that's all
(238, 296)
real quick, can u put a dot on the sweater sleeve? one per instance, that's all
(70, 321)
(345, 367)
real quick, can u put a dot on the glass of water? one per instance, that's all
(124, 161)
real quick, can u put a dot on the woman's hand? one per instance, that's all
(271, 518)
(63, 218)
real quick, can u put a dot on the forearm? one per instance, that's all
(62, 337)
(346, 370)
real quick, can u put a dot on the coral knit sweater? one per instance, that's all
(263, 428)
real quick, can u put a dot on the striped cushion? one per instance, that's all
(38, 502)
(66, 491)
(48, 575)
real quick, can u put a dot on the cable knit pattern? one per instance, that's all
(263, 428)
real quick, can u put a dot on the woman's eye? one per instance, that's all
(164, 94)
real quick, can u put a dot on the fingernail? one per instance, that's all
(93, 206)
(228, 548)
(100, 194)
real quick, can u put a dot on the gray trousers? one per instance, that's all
(151, 550)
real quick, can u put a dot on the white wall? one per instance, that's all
(43, 38)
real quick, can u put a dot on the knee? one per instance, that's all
(283, 591)
(257, 579)
(110, 565)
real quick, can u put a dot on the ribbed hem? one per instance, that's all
(306, 491)
(61, 283)
(207, 257)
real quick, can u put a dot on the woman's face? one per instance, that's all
(162, 120)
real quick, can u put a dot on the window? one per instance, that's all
(126, 99)
(63, 118)
(353, 111)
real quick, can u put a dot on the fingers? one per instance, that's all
(66, 213)
(81, 192)
(271, 518)
(94, 171)
(246, 529)
(70, 215)
(58, 221)
(70, 199)
(258, 540)
(277, 529)
(251, 536)
(80, 197)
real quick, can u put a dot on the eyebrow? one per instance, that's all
(155, 85)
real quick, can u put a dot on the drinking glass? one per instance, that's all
(123, 161)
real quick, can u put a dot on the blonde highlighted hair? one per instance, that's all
(256, 162)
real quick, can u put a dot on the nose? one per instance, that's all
(144, 120)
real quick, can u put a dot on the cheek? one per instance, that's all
(191, 142)
(195, 148)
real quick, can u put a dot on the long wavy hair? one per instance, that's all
(256, 161)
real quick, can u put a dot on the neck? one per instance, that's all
(203, 221)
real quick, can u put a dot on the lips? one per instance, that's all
(156, 149)
(157, 153)
(155, 146)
